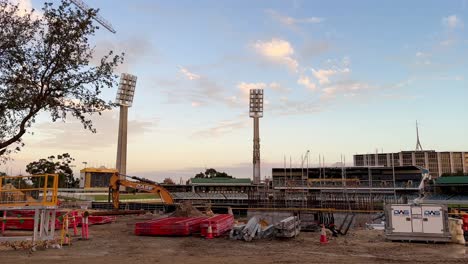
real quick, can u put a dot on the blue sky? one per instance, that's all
(340, 77)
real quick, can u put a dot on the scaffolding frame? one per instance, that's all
(22, 198)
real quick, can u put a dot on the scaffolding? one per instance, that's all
(37, 193)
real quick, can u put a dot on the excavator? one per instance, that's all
(141, 184)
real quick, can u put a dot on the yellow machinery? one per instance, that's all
(34, 190)
(95, 178)
(140, 184)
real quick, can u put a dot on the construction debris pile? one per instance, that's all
(256, 229)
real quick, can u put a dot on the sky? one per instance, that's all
(340, 78)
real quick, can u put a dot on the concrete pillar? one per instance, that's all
(401, 158)
(464, 162)
(389, 161)
(121, 162)
(426, 159)
(439, 164)
(256, 152)
(413, 158)
(376, 159)
(452, 165)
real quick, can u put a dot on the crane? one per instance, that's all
(83, 6)
(140, 184)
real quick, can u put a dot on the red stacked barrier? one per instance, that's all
(220, 224)
(25, 220)
(171, 226)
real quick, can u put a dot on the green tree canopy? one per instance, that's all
(55, 165)
(212, 173)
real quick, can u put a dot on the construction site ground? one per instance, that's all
(116, 243)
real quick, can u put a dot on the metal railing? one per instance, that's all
(32, 190)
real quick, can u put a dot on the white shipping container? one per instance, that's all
(417, 222)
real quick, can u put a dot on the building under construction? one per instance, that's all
(363, 188)
(438, 163)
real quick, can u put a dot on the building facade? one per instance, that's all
(438, 163)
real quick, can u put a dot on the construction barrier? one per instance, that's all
(171, 226)
(24, 220)
(33, 190)
(220, 224)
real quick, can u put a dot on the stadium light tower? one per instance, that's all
(256, 111)
(124, 98)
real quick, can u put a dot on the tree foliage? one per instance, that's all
(45, 66)
(168, 181)
(212, 173)
(55, 165)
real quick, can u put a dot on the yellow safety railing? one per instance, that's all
(32, 190)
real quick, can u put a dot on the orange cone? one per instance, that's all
(209, 232)
(323, 236)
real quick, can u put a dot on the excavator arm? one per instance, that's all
(141, 184)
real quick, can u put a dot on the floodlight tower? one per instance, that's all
(124, 98)
(256, 112)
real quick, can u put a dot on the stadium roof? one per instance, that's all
(221, 181)
(452, 180)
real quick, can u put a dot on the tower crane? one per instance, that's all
(83, 6)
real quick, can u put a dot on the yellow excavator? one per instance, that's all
(140, 184)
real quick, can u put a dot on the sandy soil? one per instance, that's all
(115, 243)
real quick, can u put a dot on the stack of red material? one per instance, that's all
(25, 220)
(220, 224)
(171, 226)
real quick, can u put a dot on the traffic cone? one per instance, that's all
(209, 232)
(323, 236)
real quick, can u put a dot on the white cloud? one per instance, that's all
(323, 76)
(222, 128)
(452, 22)
(60, 133)
(189, 75)
(305, 81)
(278, 51)
(420, 54)
(136, 49)
(291, 21)
(245, 88)
(25, 7)
(345, 88)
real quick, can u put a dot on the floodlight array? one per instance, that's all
(126, 90)
(256, 103)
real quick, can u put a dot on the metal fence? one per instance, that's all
(33, 190)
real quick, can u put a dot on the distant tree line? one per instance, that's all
(212, 173)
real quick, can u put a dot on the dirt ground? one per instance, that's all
(116, 243)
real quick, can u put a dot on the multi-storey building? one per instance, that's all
(438, 163)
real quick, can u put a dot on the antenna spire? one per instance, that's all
(418, 143)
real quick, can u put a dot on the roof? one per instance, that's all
(446, 180)
(102, 170)
(221, 181)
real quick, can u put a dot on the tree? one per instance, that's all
(45, 66)
(200, 175)
(212, 173)
(53, 165)
(168, 181)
